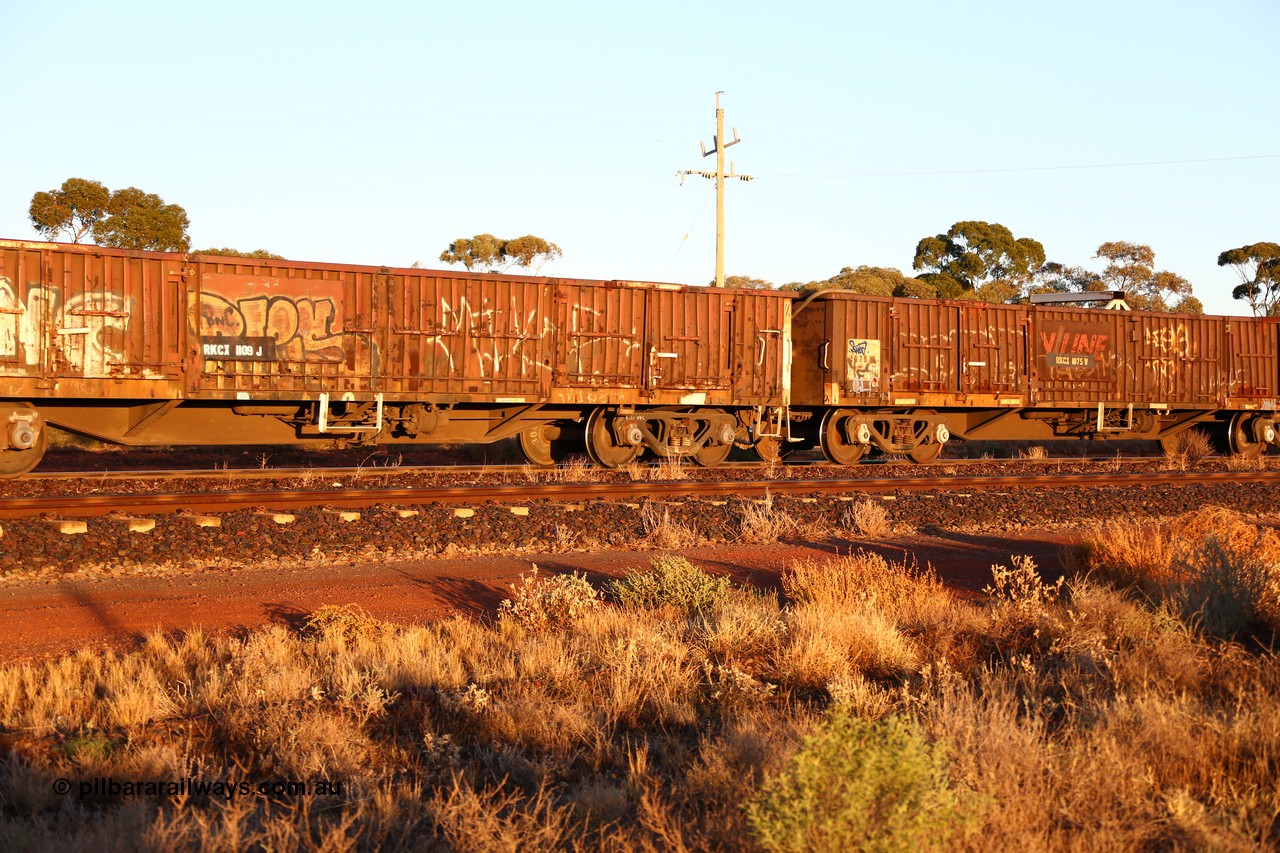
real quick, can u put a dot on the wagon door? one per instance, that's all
(993, 351)
(761, 324)
(468, 335)
(600, 336)
(924, 347)
(690, 340)
(1253, 368)
(116, 316)
(24, 312)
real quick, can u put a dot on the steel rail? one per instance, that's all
(516, 468)
(83, 506)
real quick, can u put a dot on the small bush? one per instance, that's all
(348, 621)
(1021, 587)
(1230, 589)
(556, 601)
(1187, 449)
(859, 785)
(868, 517)
(662, 532)
(672, 581)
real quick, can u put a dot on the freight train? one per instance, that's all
(149, 348)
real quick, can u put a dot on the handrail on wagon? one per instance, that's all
(1115, 299)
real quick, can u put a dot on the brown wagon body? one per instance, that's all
(159, 348)
(905, 375)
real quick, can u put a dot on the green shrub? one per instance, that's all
(554, 601)
(859, 785)
(671, 581)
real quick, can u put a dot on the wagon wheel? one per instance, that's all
(601, 446)
(770, 449)
(540, 445)
(14, 463)
(924, 452)
(932, 439)
(836, 445)
(712, 455)
(1240, 438)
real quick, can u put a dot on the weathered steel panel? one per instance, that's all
(993, 350)
(282, 327)
(1174, 359)
(89, 313)
(1251, 362)
(925, 350)
(1078, 356)
(466, 335)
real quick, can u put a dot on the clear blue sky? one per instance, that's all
(379, 132)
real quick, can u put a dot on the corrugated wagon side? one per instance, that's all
(158, 348)
(904, 376)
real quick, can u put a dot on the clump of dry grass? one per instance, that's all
(662, 531)
(667, 468)
(762, 522)
(868, 518)
(1187, 449)
(1034, 452)
(1213, 564)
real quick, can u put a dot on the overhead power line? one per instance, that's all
(1061, 168)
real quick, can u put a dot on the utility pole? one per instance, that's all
(718, 176)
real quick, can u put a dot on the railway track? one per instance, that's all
(87, 506)
(286, 473)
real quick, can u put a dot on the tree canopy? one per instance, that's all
(487, 252)
(872, 281)
(745, 282)
(125, 219)
(236, 253)
(1130, 268)
(74, 209)
(1258, 265)
(972, 255)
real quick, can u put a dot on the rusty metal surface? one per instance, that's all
(867, 351)
(198, 327)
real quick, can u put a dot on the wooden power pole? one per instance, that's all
(717, 148)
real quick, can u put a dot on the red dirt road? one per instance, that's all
(40, 620)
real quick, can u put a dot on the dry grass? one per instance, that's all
(762, 523)
(1187, 449)
(662, 531)
(666, 469)
(1098, 713)
(867, 518)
